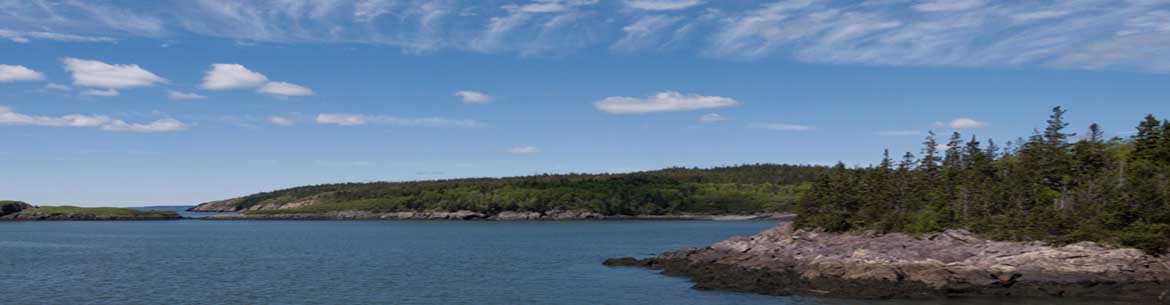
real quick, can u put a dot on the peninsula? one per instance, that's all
(17, 210)
(1046, 216)
(760, 191)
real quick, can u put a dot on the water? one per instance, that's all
(360, 262)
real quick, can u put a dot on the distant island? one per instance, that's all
(735, 192)
(1045, 216)
(17, 210)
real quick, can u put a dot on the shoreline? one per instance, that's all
(502, 216)
(86, 217)
(787, 261)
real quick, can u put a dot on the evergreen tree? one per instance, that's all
(929, 162)
(1042, 188)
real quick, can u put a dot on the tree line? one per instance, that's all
(744, 189)
(1053, 186)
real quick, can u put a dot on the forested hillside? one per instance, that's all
(1054, 186)
(724, 190)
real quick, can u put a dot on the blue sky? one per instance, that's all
(178, 102)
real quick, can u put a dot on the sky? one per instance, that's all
(131, 103)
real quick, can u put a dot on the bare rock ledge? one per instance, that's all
(785, 261)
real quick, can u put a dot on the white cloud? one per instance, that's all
(345, 119)
(25, 37)
(473, 97)
(523, 150)
(183, 96)
(712, 118)
(781, 126)
(105, 92)
(285, 89)
(58, 87)
(662, 102)
(11, 73)
(237, 76)
(962, 123)
(10, 117)
(947, 5)
(92, 73)
(162, 125)
(662, 5)
(282, 121)
(898, 133)
(231, 76)
(341, 119)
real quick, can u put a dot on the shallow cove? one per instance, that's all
(364, 262)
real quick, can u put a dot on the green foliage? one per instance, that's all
(723, 190)
(1044, 188)
(72, 210)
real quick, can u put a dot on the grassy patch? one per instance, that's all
(94, 211)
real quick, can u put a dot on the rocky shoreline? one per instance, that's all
(787, 261)
(85, 217)
(501, 216)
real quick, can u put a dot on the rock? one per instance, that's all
(784, 260)
(624, 261)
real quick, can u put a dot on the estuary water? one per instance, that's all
(362, 262)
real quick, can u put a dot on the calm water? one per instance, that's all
(359, 262)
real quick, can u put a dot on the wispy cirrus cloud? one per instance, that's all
(28, 36)
(1072, 34)
(781, 126)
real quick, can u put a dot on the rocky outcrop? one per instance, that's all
(784, 261)
(502, 216)
(56, 216)
(229, 205)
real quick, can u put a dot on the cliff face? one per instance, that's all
(783, 261)
(229, 205)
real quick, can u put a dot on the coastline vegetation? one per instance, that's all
(1048, 187)
(73, 210)
(745, 189)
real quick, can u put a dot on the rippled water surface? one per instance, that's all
(361, 262)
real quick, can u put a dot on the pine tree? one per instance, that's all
(992, 151)
(1145, 142)
(929, 162)
(953, 159)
